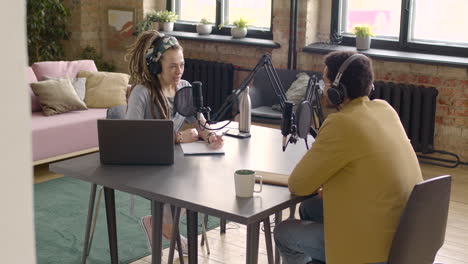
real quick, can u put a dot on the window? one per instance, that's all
(428, 26)
(258, 13)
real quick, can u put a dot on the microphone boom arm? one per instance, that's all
(266, 62)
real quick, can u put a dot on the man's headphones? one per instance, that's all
(155, 68)
(338, 91)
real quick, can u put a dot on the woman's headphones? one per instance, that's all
(154, 67)
(338, 91)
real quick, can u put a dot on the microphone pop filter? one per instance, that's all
(183, 102)
(303, 118)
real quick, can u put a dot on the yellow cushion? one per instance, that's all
(105, 89)
(57, 96)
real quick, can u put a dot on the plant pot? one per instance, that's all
(363, 43)
(156, 26)
(238, 32)
(168, 26)
(204, 29)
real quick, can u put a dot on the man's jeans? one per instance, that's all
(300, 241)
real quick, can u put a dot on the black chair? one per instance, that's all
(116, 112)
(421, 231)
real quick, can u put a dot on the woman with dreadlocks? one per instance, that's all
(156, 64)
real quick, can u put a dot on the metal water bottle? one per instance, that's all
(245, 111)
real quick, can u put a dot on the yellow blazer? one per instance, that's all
(367, 167)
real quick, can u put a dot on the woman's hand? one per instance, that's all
(215, 141)
(189, 135)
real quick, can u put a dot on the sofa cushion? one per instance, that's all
(105, 89)
(298, 88)
(78, 83)
(31, 75)
(35, 105)
(65, 133)
(296, 92)
(60, 69)
(57, 96)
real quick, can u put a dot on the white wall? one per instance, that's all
(16, 201)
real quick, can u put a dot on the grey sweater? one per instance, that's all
(139, 106)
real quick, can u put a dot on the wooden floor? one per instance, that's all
(230, 247)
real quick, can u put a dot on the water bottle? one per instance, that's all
(245, 111)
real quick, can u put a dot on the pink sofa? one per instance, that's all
(66, 133)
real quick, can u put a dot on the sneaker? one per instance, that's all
(146, 223)
(184, 245)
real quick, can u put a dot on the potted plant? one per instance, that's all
(154, 17)
(204, 27)
(150, 21)
(363, 36)
(240, 28)
(168, 18)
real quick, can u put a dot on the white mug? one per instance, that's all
(245, 182)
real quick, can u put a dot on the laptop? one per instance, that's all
(138, 142)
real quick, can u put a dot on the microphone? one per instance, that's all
(197, 94)
(286, 122)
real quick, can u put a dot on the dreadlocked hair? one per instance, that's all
(140, 74)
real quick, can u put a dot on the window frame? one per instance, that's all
(402, 44)
(226, 30)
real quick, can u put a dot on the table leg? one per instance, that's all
(204, 236)
(109, 197)
(268, 240)
(96, 214)
(252, 243)
(278, 218)
(222, 224)
(292, 212)
(192, 233)
(205, 223)
(175, 236)
(156, 250)
(92, 197)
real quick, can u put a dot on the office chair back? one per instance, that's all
(117, 112)
(421, 231)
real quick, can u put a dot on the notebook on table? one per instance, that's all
(274, 178)
(138, 142)
(200, 148)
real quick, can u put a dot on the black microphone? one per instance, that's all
(197, 94)
(286, 122)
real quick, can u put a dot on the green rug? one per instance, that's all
(61, 208)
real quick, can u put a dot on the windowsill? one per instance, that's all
(391, 55)
(224, 39)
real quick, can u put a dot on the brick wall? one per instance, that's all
(451, 130)
(89, 25)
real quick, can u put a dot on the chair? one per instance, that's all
(263, 97)
(421, 231)
(118, 112)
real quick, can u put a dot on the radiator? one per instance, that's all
(416, 106)
(217, 79)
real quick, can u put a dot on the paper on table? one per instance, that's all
(200, 148)
(274, 178)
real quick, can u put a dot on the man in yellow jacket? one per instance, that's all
(364, 163)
